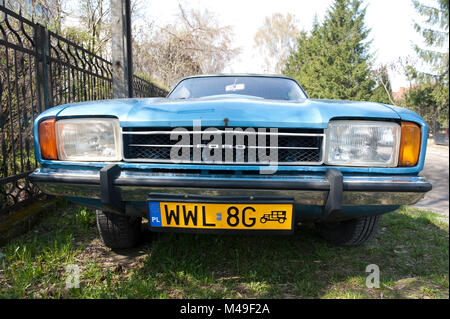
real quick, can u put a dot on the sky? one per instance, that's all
(391, 23)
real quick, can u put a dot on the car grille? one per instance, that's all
(294, 146)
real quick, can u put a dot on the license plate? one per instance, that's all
(216, 216)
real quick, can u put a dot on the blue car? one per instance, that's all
(233, 154)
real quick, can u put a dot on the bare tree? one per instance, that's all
(195, 44)
(48, 12)
(275, 39)
(382, 78)
(57, 12)
(93, 31)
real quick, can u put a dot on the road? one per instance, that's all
(437, 173)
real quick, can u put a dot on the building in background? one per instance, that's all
(399, 94)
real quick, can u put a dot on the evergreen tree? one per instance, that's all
(303, 63)
(333, 61)
(434, 31)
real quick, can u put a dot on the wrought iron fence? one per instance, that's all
(40, 69)
(144, 88)
(75, 73)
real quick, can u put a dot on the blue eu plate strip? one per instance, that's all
(155, 214)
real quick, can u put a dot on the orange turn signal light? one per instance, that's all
(47, 139)
(409, 144)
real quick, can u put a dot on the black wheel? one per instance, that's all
(350, 232)
(263, 220)
(282, 220)
(118, 231)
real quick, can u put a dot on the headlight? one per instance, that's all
(91, 139)
(362, 143)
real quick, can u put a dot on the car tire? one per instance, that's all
(118, 231)
(350, 232)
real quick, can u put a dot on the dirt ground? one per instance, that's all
(437, 172)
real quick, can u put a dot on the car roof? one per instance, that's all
(238, 74)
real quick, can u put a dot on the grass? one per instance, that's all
(411, 251)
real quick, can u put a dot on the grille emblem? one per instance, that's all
(215, 146)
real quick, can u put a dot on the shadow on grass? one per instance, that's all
(410, 250)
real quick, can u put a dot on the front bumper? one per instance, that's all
(116, 188)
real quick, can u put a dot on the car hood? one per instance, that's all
(236, 111)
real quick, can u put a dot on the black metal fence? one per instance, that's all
(40, 69)
(144, 88)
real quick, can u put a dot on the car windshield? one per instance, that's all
(271, 88)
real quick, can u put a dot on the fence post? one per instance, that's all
(43, 79)
(122, 67)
